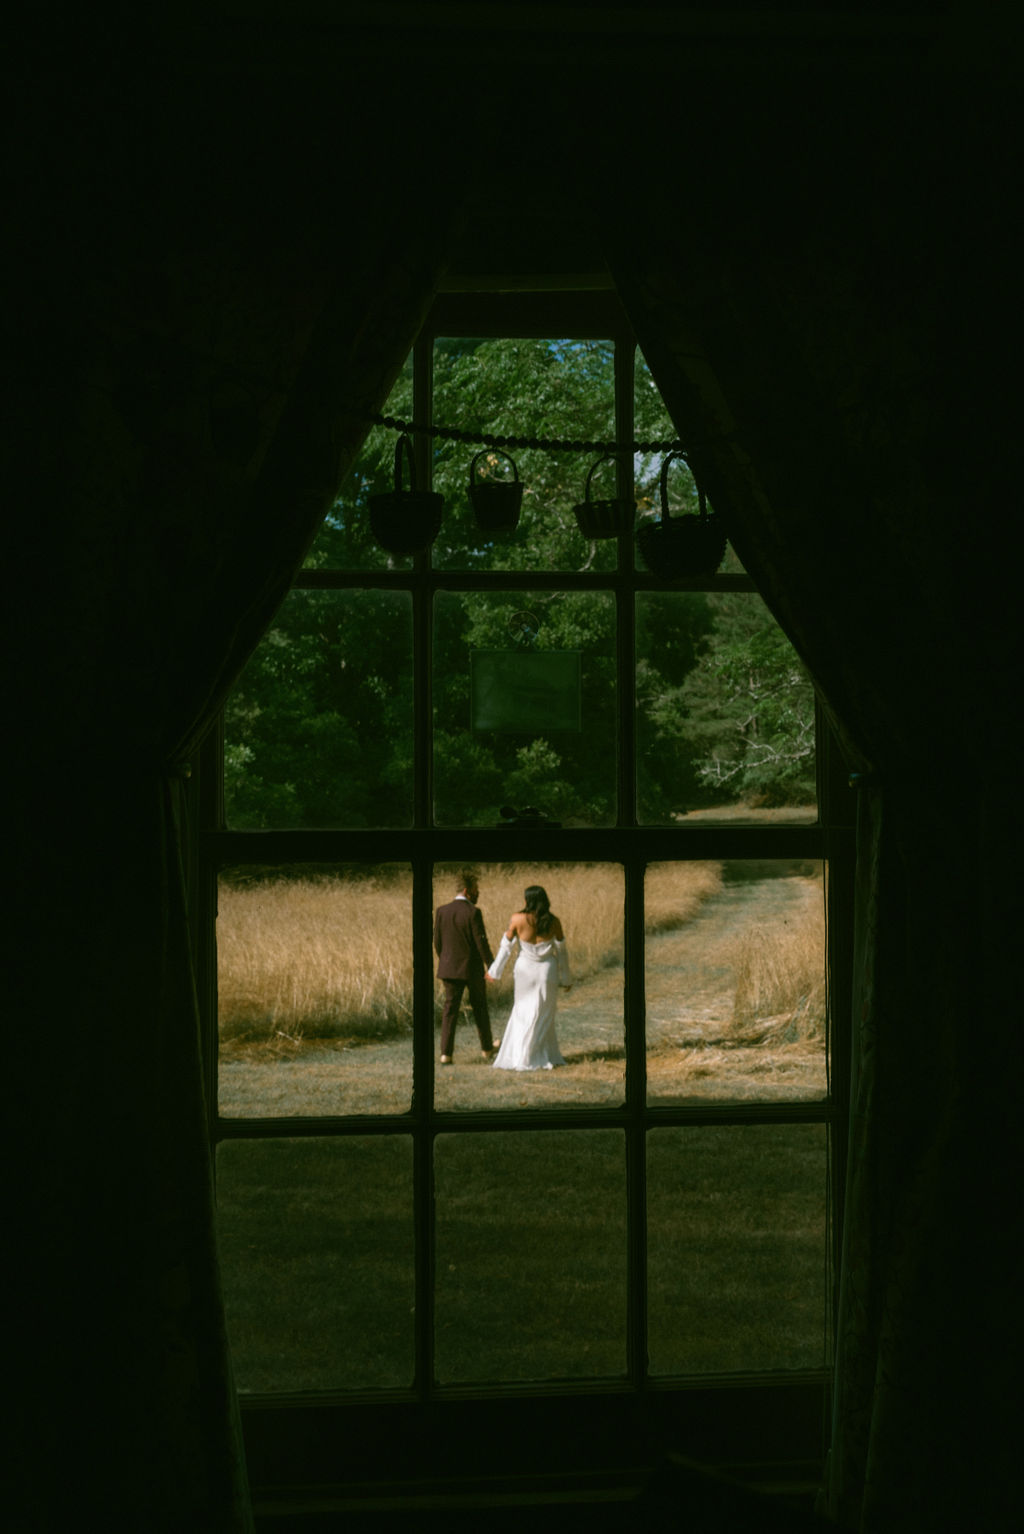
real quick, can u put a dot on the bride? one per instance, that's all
(529, 1042)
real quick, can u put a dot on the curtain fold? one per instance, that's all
(205, 394)
(801, 350)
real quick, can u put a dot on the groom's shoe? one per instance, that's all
(446, 1059)
(490, 1053)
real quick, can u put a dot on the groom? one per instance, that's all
(463, 956)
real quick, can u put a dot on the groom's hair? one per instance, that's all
(465, 877)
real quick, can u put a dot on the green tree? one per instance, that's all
(749, 706)
(318, 727)
(674, 629)
(570, 774)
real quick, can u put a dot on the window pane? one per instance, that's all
(346, 541)
(735, 982)
(654, 424)
(511, 728)
(314, 979)
(522, 387)
(531, 1255)
(725, 712)
(736, 1221)
(318, 728)
(316, 1249)
(541, 1023)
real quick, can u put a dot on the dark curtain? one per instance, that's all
(191, 390)
(823, 327)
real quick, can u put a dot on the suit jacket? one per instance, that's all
(460, 941)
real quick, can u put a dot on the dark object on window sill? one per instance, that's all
(527, 816)
(689, 545)
(405, 521)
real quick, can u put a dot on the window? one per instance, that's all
(655, 1222)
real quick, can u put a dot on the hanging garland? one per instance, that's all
(545, 444)
(406, 521)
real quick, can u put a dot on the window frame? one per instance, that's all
(722, 1418)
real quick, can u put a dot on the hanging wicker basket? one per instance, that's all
(405, 521)
(603, 519)
(496, 503)
(687, 545)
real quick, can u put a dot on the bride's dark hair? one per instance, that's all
(538, 906)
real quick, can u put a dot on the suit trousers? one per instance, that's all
(453, 991)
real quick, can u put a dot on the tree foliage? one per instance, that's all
(319, 726)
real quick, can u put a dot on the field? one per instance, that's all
(316, 981)
(316, 1234)
(331, 957)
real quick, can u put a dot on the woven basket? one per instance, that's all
(603, 519)
(496, 503)
(405, 521)
(676, 546)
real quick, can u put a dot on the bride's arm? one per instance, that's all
(564, 973)
(561, 954)
(505, 950)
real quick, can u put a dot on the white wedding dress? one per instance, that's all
(529, 1042)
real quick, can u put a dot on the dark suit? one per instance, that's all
(463, 954)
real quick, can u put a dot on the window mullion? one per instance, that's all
(633, 999)
(423, 1094)
(422, 650)
(423, 901)
(625, 621)
(210, 815)
(636, 1095)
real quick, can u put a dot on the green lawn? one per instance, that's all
(317, 1251)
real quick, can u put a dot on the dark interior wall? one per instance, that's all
(848, 261)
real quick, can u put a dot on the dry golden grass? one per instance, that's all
(587, 898)
(753, 814)
(675, 892)
(314, 957)
(780, 976)
(332, 957)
